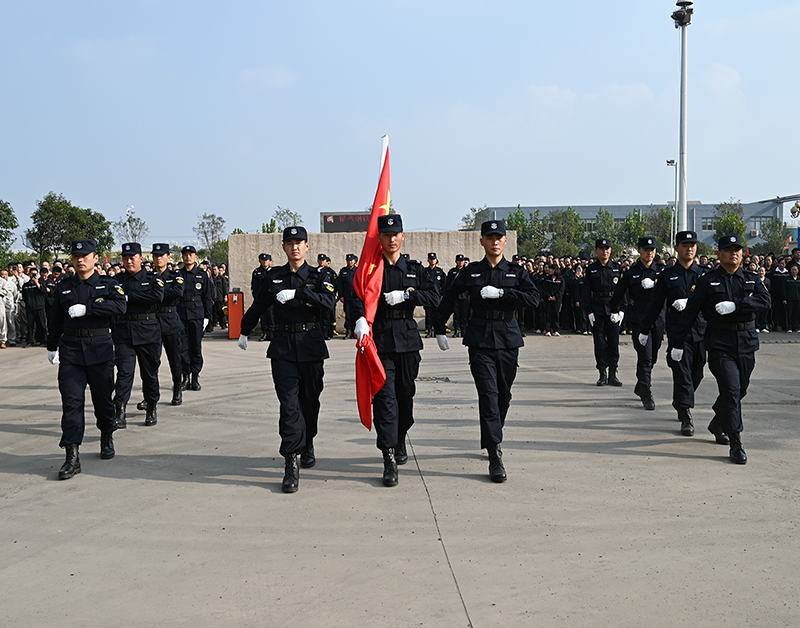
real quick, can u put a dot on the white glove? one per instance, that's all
(444, 343)
(591, 320)
(53, 357)
(490, 292)
(617, 317)
(243, 342)
(676, 355)
(205, 323)
(361, 329)
(725, 307)
(680, 304)
(76, 311)
(395, 297)
(643, 338)
(648, 283)
(285, 295)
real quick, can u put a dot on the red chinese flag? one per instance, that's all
(367, 283)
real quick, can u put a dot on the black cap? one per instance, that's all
(493, 226)
(731, 240)
(460, 258)
(516, 257)
(131, 248)
(160, 249)
(392, 223)
(351, 256)
(82, 247)
(431, 255)
(188, 249)
(322, 256)
(684, 237)
(295, 233)
(602, 243)
(265, 256)
(646, 242)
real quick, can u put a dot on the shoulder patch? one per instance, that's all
(119, 289)
(328, 286)
(179, 279)
(160, 281)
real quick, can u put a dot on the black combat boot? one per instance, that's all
(496, 469)
(400, 452)
(291, 475)
(151, 418)
(389, 467)
(195, 385)
(177, 395)
(119, 415)
(613, 380)
(737, 451)
(142, 405)
(107, 445)
(72, 464)
(639, 391)
(685, 417)
(647, 400)
(603, 380)
(720, 437)
(185, 381)
(307, 457)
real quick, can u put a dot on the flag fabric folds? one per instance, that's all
(367, 283)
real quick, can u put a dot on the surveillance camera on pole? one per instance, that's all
(683, 17)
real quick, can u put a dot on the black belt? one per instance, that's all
(732, 326)
(603, 294)
(494, 315)
(150, 316)
(395, 314)
(167, 310)
(86, 333)
(192, 298)
(295, 327)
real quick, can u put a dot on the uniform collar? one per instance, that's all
(401, 263)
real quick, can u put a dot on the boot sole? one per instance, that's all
(107, 457)
(289, 489)
(67, 476)
(390, 482)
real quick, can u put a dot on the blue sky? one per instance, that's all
(181, 108)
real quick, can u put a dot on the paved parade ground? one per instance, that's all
(609, 517)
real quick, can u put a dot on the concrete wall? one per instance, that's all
(243, 251)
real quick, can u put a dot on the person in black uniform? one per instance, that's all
(552, 293)
(137, 335)
(673, 286)
(496, 289)
(346, 293)
(79, 341)
(34, 294)
(397, 341)
(297, 350)
(729, 298)
(602, 276)
(259, 274)
(436, 274)
(328, 317)
(194, 310)
(637, 285)
(461, 308)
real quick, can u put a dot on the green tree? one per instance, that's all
(269, 227)
(238, 231)
(130, 228)
(220, 253)
(632, 228)
(731, 223)
(774, 233)
(210, 229)
(568, 231)
(8, 222)
(475, 217)
(539, 238)
(659, 225)
(723, 209)
(605, 227)
(285, 217)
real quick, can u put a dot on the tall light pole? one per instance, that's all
(683, 17)
(674, 215)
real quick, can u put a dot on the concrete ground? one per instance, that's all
(609, 518)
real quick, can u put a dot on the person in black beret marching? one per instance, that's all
(79, 341)
(729, 298)
(194, 310)
(347, 293)
(602, 276)
(297, 351)
(496, 289)
(436, 274)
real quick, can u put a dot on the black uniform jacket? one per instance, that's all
(103, 298)
(196, 303)
(602, 281)
(493, 324)
(394, 329)
(139, 324)
(551, 286)
(168, 317)
(314, 294)
(35, 296)
(451, 277)
(726, 332)
(437, 276)
(257, 279)
(673, 283)
(791, 289)
(345, 283)
(638, 298)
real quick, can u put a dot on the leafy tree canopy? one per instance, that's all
(8, 222)
(285, 217)
(130, 228)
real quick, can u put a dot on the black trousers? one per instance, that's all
(792, 316)
(218, 315)
(172, 347)
(687, 374)
(268, 320)
(430, 318)
(494, 371)
(606, 342)
(646, 355)
(37, 326)
(298, 386)
(461, 314)
(72, 381)
(551, 312)
(732, 372)
(393, 405)
(349, 315)
(192, 346)
(125, 358)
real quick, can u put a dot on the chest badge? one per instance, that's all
(198, 286)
